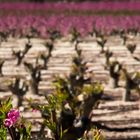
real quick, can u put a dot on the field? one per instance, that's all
(85, 54)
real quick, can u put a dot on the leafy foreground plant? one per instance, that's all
(67, 113)
(11, 120)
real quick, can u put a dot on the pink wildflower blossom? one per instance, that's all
(34, 110)
(8, 122)
(13, 114)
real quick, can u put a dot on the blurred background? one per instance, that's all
(39, 38)
(63, 0)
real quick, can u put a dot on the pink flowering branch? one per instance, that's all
(12, 117)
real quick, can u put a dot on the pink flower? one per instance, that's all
(34, 110)
(8, 122)
(13, 114)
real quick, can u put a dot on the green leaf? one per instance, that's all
(2, 115)
(7, 105)
(51, 125)
(3, 135)
(28, 128)
(98, 135)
